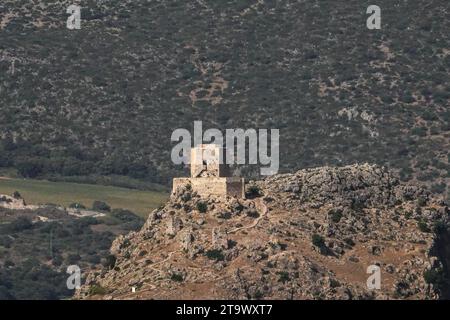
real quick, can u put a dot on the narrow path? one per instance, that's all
(152, 287)
(162, 261)
(261, 206)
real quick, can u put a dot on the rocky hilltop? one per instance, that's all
(307, 235)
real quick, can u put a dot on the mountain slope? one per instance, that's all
(105, 99)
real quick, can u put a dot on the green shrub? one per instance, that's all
(439, 227)
(176, 277)
(253, 191)
(5, 199)
(252, 213)
(357, 204)
(349, 241)
(109, 261)
(126, 215)
(143, 253)
(97, 290)
(336, 215)
(334, 283)
(17, 195)
(406, 174)
(186, 197)
(215, 254)
(283, 276)
(429, 116)
(419, 131)
(9, 263)
(202, 206)
(423, 226)
(100, 206)
(407, 98)
(421, 201)
(438, 187)
(434, 276)
(29, 168)
(73, 258)
(6, 241)
(318, 240)
(224, 215)
(21, 223)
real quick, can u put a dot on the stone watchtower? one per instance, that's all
(209, 176)
(205, 161)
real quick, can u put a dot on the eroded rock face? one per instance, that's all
(310, 235)
(351, 186)
(174, 224)
(219, 238)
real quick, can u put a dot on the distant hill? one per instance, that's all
(105, 99)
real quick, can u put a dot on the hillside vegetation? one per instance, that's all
(105, 99)
(37, 246)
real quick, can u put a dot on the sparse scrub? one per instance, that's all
(434, 276)
(336, 215)
(253, 191)
(423, 226)
(109, 261)
(97, 290)
(252, 213)
(421, 201)
(283, 276)
(100, 206)
(202, 207)
(215, 254)
(176, 277)
(318, 240)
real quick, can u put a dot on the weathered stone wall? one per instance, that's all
(177, 182)
(211, 185)
(218, 186)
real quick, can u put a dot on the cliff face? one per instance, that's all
(307, 235)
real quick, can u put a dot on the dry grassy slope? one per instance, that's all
(111, 94)
(263, 248)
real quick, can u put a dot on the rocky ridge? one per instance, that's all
(307, 235)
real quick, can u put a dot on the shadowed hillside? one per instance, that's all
(105, 99)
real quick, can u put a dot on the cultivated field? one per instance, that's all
(63, 193)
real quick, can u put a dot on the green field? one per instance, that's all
(63, 193)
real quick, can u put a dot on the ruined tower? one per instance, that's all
(209, 176)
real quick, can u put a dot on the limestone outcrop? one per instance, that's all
(312, 234)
